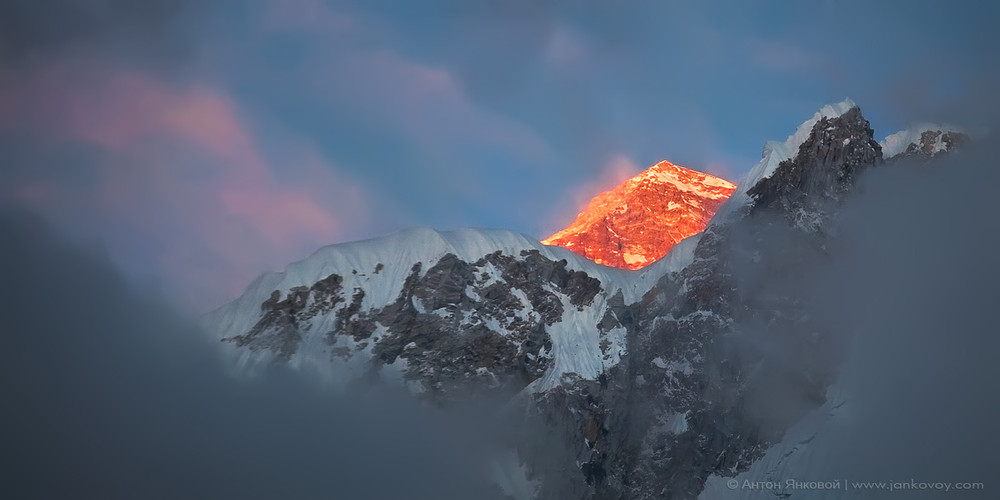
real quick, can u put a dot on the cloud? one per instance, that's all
(181, 170)
(905, 290)
(617, 169)
(109, 395)
(313, 16)
(425, 103)
(349, 65)
(782, 56)
(31, 31)
(181, 186)
(564, 48)
(919, 376)
(117, 108)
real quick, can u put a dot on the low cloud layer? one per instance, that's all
(903, 293)
(917, 288)
(107, 395)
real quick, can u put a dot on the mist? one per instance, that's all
(917, 288)
(108, 394)
(902, 294)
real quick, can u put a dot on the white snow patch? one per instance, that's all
(512, 476)
(679, 257)
(675, 423)
(895, 144)
(632, 258)
(576, 345)
(776, 152)
(616, 338)
(418, 305)
(673, 367)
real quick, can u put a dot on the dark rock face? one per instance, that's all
(823, 172)
(928, 145)
(459, 327)
(698, 393)
(278, 328)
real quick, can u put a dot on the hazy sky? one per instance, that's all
(203, 142)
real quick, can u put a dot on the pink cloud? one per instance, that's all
(616, 170)
(184, 171)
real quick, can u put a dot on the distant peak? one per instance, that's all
(775, 152)
(922, 138)
(641, 219)
(823, 170)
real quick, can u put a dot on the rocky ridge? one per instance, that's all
(923, 140)
(442, 312)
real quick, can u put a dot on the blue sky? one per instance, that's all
(201, 143)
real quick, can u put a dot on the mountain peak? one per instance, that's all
(641, 219)
(687, 180)
(926, 139)
(824, 169)
(775, 152)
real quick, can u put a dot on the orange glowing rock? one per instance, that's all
(640, 220)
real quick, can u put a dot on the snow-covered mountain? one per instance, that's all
(926, 139)
(691, 399)
(434, 308)
(645, 383)
(776, 152)
(640, 220)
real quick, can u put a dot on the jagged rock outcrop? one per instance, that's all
(922, 140)
(934, 141)
(458, 326)
(823, 171)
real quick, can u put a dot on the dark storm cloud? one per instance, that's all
(32, 31)
(106, 395)
(917, 288)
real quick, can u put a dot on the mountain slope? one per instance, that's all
(711, 347)
(775, 152)
(640, 220)
(437, 309)
(922, 139)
